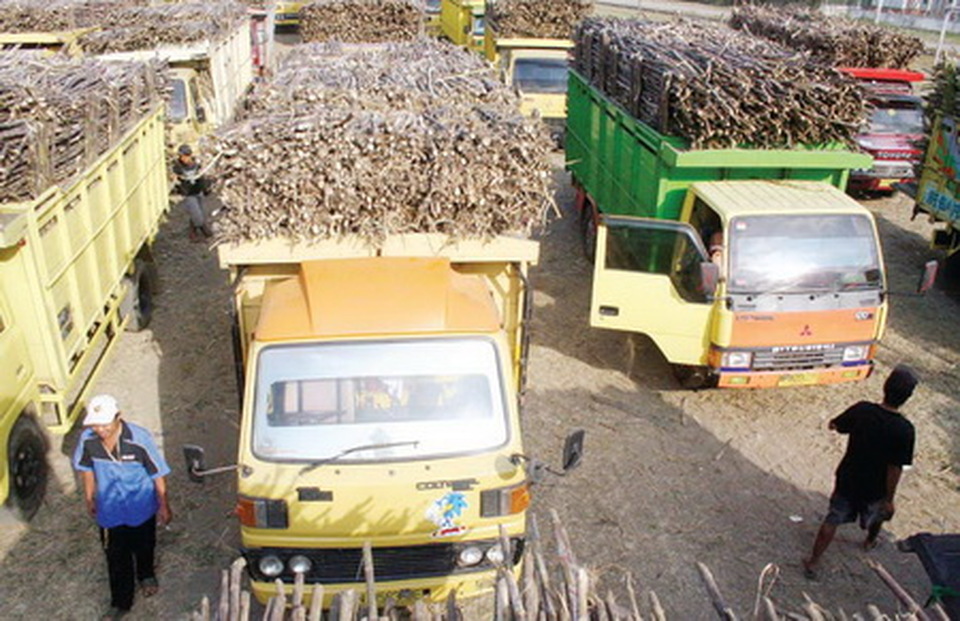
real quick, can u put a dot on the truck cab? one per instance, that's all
(463, 23)
(895, 130)
(288, 13)
(432, 26)
(537, 70)
(381, 406)
(800, 296)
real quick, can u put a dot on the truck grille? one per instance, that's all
(795, 360)
(893, 171)
(341, 565)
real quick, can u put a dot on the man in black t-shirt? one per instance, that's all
(880, 444)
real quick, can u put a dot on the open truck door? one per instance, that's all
(649, 276)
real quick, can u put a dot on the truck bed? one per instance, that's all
(628, 168)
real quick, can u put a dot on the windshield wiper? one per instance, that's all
(356, 449)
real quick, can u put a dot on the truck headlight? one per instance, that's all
(299, 564)
(855, 353)
(270, 566)
(504, 500)
(469, 556)
(736, 359)
(495, 555)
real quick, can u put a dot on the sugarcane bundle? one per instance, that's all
(360, 21)
(943, 97)
(832, 40)
(58, 115)
(382, 140)
(716, 87)
(124, 26)
(556, 19)
(383, 75)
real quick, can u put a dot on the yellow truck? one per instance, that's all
(208, 79)
(462, 22)
(75, 270)
(536, 69)
(381, 405)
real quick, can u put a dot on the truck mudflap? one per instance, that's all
(404, 573)
(807, 377)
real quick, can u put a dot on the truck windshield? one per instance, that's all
(442, 397)
(896, 118)
(177, 105)
(479, 25)
(803, 254)
(432, 7)
(540, 75)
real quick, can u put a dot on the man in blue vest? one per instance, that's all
(124, 485)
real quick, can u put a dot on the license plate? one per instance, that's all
(798, 379)
(886, 184)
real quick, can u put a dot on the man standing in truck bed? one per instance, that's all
(880, 444)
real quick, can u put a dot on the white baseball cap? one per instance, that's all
(101, 410)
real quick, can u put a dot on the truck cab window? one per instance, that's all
(705, 221)
(540, 75)
(654, 250)
(177, 105)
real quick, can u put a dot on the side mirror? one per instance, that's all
(709, 277)
(928, 277)
(193, 455)
(573, 450)
(201, 114)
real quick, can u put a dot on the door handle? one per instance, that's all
(609, 311)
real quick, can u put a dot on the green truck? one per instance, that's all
(747, 268)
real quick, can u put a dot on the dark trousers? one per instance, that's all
(129, 552)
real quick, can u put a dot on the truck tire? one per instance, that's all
(27, 463)
(138, 303)
(693, 377)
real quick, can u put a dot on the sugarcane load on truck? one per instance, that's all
(206, 46)
(82, 190)
(683, 137)
(530, 41)
(879, 58)
(378, 206)
(361, 21)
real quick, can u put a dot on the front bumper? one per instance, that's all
(809, 377)
(882, 176)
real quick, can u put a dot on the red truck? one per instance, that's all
(896, 131)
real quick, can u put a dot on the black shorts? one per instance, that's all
(843, 511)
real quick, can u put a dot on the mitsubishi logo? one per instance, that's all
(806, 331)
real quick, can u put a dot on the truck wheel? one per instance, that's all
(139, 301)
(693, 377)
(588, 233)
(28, 468)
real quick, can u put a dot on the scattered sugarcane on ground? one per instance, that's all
(59, 115)
(123, 26)
(531, 18)
(831, 40)
(360, 21)
(718, 88)
(378, 140)
(553, 584)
